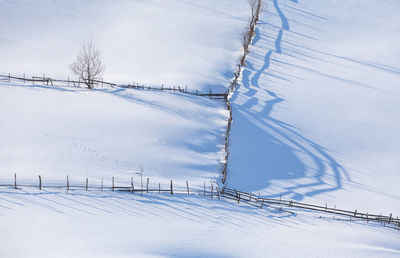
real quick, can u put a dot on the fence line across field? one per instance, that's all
(211, 191)
(77, 83)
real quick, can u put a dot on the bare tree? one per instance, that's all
(88, 65)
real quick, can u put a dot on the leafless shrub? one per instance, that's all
(88, 65)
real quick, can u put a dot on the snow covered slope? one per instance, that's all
(106, 224)
(175, 42)
(317, 115)
(55, 131)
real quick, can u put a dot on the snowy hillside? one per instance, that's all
(193, 43)
(317, 115)
(315, 119)
(55, 131)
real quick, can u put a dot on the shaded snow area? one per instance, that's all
(317, 115)
(315, 119)
(55, 131)
(175, 42)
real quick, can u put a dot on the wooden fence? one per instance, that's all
(247, 39)
(212, 191)
(78, 83)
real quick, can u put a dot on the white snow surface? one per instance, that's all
(317, 115)
(316, 119)
(152, 42)
(51, 223)
(104, 133)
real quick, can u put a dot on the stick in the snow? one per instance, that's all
(40, 182)
(15, 180)
(211, 191)
(172, 192)
(87, 183)
(187, 186)
(113, 184)
(67, 184)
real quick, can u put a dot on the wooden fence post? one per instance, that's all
(9, 77)
(132, 187)
(237, 196)
(102, 184)
(147, 185)
(15, 180)
(113, 184)
(40, 182)
(172, 192)
(87, 183)
(24, 77)
(187, 186)
(390, 217)
(141, 182)
(211, 195)
(67, 184)
(159, 188)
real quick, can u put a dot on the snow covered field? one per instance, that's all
(317, 115)
(315, 119)
(106, 224)
(175, 42)
(55, 131)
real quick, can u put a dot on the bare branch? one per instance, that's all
(88, 65)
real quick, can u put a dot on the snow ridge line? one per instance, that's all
(231, 194)
(247, 40)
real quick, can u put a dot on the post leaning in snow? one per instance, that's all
(40, 182)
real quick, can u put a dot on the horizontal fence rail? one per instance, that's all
(78, 83)
(211, 191)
